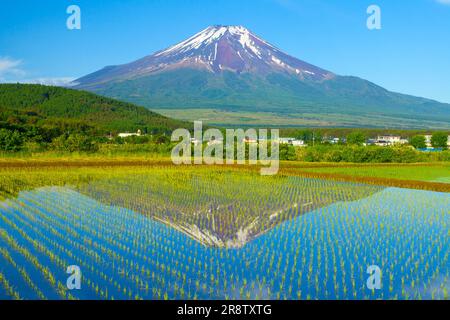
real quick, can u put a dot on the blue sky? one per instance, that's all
(410, 54)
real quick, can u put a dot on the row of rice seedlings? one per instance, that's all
(86, 228)
(371, 178)
(220, 204)
(5, 253)
(45, 271)
(64, 245)
(321, 255)
(58, 252)
(341, 262)
(9, 288)
(135, 252)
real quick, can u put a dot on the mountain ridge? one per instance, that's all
(68, 109)
(229, 68)
(216, 49)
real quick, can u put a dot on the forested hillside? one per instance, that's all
(25, 107)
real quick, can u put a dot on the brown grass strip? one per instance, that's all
(82, 163)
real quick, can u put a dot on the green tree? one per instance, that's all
(161, 139)
(439, 140)
(75, 142)
(356, 138)
(418, 142)
(287, 152)
(309, 136)
(10, 140)
(79, 142)
(59, 143)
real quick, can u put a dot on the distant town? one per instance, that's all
(426, 142)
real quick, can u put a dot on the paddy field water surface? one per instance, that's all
(322, 253)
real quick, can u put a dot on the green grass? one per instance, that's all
(226, 117)
(425, 172)
(443, 180)
(343, 101)
(243, 118)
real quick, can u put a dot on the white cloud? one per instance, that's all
(61, 81)
(10, 66)
(446, 2)
(11, 72)
(57, 81)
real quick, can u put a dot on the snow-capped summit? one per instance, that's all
(215, 35)
(216, 49)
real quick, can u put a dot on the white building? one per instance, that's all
(428, 140)
(298, 143)
(333, 140)
(286, 140)
(292, 141)
(130, 134)
(389, 140)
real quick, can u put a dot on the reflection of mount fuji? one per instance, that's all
(228, 68)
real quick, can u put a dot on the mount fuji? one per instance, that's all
(227, 74)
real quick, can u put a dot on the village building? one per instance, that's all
(292, 141)
(298, 143)
(130, 134)
(389, 140)
(333, 140)
(428, 140)
(286, 140)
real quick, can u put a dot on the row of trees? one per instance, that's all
(38, 140)
(10, 140)
(373, 154)
(438, 140)
(358, 137)
(352, 151)
(16, 141)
